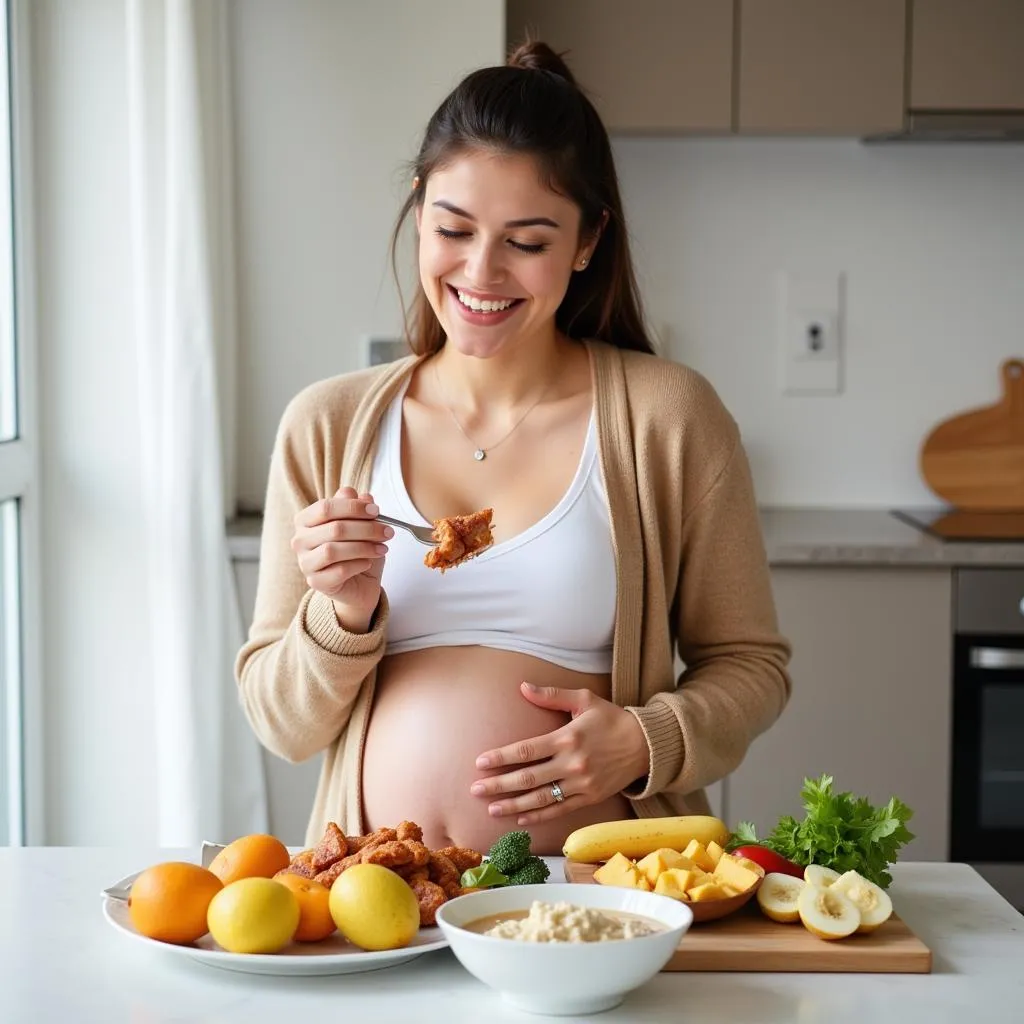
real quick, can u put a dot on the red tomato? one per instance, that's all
(769, 860)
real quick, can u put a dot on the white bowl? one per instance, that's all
(562, 978)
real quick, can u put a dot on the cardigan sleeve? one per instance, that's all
(735, 683)
(299, 672)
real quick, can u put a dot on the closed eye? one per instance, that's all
(531, 248)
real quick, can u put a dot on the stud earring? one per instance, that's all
(583, 262)
(416, 183)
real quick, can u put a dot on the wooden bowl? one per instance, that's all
(712, 910)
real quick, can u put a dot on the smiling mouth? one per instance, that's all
(475, 305)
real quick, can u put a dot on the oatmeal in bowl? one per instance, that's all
(560, 948)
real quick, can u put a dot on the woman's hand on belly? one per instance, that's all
(594, 756)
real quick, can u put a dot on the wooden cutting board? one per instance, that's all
(749, 941)
(975, 460)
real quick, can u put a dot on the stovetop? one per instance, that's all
(951, 524)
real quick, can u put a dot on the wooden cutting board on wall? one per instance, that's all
(975, 460)
(749, 941)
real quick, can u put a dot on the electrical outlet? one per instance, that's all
(810, 343)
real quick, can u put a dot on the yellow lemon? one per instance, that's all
(253, 915)
(374, 908)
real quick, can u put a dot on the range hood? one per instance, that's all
(957, 126)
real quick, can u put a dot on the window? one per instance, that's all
(19, 517)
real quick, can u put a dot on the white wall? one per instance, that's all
(314, 206)
(931, 238)
(330, 99)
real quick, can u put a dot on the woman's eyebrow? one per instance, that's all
(525, 222)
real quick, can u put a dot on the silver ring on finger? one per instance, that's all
(556, 792)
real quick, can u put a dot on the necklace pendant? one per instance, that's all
(479, 455)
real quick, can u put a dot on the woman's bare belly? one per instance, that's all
(434, 712)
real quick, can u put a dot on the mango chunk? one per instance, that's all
(622, 872)
(730, 871)
(697, 852)
(674, 882)
(660, 860)
(714, 852)
(708, 891)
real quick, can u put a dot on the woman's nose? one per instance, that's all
(483, 266)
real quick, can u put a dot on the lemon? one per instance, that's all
(374, 908)
(253, 915)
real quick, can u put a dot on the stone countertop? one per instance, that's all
(61, 961)
(802, 537)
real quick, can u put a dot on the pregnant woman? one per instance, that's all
(534, 686)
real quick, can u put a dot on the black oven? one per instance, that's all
(987, 783)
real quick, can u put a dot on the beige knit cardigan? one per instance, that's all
(691, 574)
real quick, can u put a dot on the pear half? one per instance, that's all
(778, 896)
(819, 875)
(871, 900)
(827, 914)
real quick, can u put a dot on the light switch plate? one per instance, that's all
(810, 332)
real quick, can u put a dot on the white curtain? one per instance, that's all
(210, 771)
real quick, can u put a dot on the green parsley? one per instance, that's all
(840, 831)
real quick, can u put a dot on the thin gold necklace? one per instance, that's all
(480, 452)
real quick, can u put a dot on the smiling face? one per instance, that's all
(497, 248)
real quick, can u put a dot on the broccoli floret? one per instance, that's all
(533, 872)
(510, 851)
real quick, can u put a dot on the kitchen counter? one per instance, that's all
(61, 961)
(803, 537)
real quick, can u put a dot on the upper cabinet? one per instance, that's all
(650, 66)
(967, 55)
(828, 67)
(852, 68)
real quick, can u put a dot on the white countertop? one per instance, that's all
(61, 961)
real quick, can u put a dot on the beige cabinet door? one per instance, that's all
(649, 66)
(827, 67)
(872, 688)
(967, 55)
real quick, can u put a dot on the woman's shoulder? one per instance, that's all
(334, 401)
(671, 393)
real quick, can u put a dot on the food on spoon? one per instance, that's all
(819, 875)
(839, 830)
(169, 901)
(778, 896)
(637, 837)
(826, 913)
(253, 856)
(872, 901)
(253, 915)
(459, 538)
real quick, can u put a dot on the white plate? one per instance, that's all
(333, 955)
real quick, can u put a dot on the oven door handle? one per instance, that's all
(996, 657)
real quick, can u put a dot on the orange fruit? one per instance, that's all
(315, 921)
(169, 901)
(255, 856)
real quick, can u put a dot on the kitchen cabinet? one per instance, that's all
(650, 66)
(821, 67)
(967, 55)
(872, 691)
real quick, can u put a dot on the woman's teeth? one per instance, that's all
(484, 305)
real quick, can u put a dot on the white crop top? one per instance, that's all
(548, 592)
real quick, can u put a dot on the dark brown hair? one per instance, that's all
(533, 106)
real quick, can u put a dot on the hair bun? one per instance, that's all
(537, 56)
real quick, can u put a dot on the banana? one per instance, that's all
(637, 837)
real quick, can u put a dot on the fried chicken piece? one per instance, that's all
(388, 855)
(331, 848)
(382, 835)
(410, 830)
(462, 857)
(412, 873)
(459, 538)
(302, 864)
(430, 896)
(445, 874)
(420, 854)
(330, 875)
